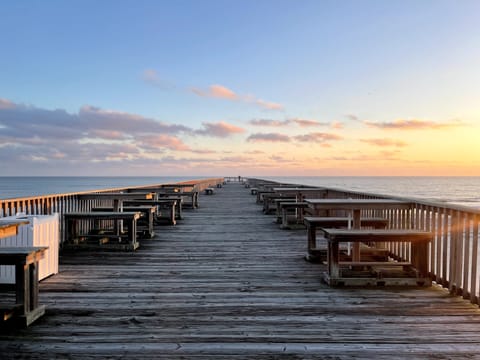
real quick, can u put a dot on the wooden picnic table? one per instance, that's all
(380, 272)
(317, 206)
(116, 197)
(172, 205)
(25, 259)
(76, 238)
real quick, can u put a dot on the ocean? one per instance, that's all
(454, 190)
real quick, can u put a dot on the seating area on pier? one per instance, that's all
(228, 282)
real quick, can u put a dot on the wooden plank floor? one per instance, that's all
(227, 283)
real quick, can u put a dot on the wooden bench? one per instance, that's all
(261, 193)
(314, 222)
(284, 208)
(168, 209)
(79, 234)
(209, 191)
(25, 259)
(413, 271)
(144, 223)
(270, 201)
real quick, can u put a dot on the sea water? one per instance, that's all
(461, 190)
(453, 190)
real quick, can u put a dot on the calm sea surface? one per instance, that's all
(457, 190)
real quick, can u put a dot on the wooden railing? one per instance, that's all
(64, 203)
(454, 254)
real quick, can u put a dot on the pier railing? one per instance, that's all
(454, 254)
(70, 202)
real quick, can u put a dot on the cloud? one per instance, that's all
(216, 91)
(413, 124)
(6, 104)
(222, 92)
(317, 137)
(268, 105)
(308, 122)
(352, 117)
(268, 122)
(91, 135)
(268, 137)
(336, 125)
(93, 117)
(162, 141)
(220, 129)
(151, 77)
(384, 142)
(296, 121)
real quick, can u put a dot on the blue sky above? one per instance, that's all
(216, 66)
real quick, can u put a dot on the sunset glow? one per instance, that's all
(240, 88)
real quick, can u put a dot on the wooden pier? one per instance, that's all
(227, 283)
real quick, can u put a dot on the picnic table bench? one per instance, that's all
(269, 201)
(168, 209)
(209, 191)
(284, 210)
(144, 223)
(413, 271)
(97, 230)
(314, 222)
(26, 308)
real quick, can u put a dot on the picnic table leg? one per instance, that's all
(26, 292)
(172, 213)
(333, 260)
(132, 233)
(311, 237)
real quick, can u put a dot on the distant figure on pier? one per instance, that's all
(239, 177)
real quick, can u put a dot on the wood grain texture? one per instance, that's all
(227, 283)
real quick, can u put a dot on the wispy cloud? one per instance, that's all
(268, 105)
(352, 117)
(220, 129)
(161, 142)
(222, 92)
(318, 137)
(295, 121)
(216, 91)
(414, 124)
(385, 142)
(336, 125)
(6, 104)
(308, 122)
(268, 137)
(151, 77)
(269, 122)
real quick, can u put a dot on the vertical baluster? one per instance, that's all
(474, 274)
(467, 264)
(444, 232)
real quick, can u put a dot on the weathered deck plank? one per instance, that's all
(227, 283)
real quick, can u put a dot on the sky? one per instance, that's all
(251, 88)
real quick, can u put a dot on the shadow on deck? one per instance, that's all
(226, 282)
